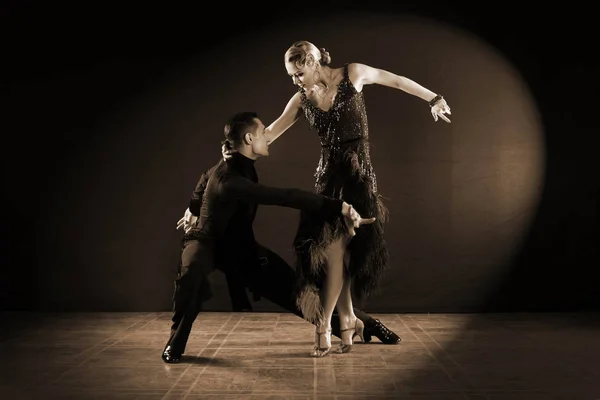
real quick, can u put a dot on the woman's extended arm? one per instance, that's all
(290, 115)
(361, 74)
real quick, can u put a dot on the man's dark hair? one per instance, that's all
(237, 126)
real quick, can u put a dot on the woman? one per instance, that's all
(332, 268)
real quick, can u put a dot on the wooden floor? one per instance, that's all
(265, 356)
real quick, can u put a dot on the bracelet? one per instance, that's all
(434, 101)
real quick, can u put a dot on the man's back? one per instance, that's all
(224, 215)
(228, 218)
(226, 199)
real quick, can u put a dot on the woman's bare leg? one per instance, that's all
(330, 293)
(349, 323)
(345, 307)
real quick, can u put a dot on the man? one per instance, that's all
(219, 234)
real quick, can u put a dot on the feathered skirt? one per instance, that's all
(344, 172)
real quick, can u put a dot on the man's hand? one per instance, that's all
(353, 219)
(187, 222)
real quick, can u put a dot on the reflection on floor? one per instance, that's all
(265, 356)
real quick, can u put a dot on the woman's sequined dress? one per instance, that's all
(344, 171)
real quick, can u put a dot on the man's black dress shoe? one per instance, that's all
(170, 356)
(381, 332)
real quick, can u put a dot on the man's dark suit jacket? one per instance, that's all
(226, 199)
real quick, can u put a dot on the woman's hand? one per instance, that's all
(439, 109)
(227, 153)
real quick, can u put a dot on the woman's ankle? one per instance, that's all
(347, 321)
(323, 327)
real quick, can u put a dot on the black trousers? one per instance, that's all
(274, 280)
(192, 288)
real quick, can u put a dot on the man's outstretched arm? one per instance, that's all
(242, 189)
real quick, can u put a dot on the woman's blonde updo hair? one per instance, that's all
(298, 52)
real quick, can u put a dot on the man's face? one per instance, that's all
(259, 144)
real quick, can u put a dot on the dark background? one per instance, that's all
(110, 114)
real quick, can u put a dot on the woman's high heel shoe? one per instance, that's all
(322, 343)
(349, 334)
